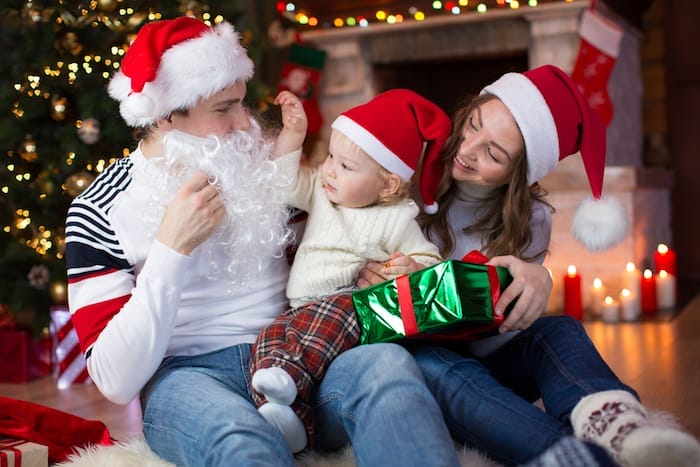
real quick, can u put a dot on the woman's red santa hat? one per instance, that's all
(172, 64)
(556, 122)
(393, 129)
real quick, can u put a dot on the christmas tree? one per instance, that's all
(59, 128)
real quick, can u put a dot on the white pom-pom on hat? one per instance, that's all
(138, 108)
(600, 224)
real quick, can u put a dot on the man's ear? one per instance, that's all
(391, 185)
(165, 123)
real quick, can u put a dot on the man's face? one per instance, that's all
(219, 115)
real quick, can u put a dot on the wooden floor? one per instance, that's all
(660, 359)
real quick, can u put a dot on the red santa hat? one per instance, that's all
(556, 122)
(172, 64)
(393, 129)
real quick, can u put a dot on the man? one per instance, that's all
(175, 264)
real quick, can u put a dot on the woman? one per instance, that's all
(506, 140)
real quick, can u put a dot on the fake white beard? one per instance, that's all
(254, 229)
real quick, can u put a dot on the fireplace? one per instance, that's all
(448, 58)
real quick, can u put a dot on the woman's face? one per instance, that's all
(491, 144)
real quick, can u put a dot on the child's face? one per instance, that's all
(351, 178)
(491, 145)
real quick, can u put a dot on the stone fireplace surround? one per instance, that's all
(548, 34)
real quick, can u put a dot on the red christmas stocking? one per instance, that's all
(600, 45)
(301, 75)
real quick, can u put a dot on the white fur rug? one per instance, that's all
(136, 453)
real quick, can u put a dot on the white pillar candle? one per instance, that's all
(596, 296)
(630, 308)
(632, 279)
(610, 310)
(665, 290)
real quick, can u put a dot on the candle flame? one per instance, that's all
(625, 292)
(662, 248)
(608, 300)
(663, 273)
(630, 267)
(647, 274)
(597, 283)
(571, 270)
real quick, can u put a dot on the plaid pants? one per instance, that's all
(304, 341)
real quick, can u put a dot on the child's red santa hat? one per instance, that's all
(172, 64)
(555, 122)
(393, 128)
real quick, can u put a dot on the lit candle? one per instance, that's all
(632, 279)
(597, 293)
(665, 290)
(648, 292)
(610, 310)
(665, 259)
(629, 305)
(573, 304)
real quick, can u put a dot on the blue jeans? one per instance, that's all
(198, 411)
(487, 402)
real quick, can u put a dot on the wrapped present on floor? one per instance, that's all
(68, 361)
(19, 453)
(449, 300)
(23, 357)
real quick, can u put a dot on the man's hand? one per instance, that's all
(531, 285)
(192, 216)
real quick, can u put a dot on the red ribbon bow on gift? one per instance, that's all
(408, 315)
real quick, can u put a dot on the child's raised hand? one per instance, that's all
(293, 114)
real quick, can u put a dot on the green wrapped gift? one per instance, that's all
(453, 299)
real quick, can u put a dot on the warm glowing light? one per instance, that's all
(380, 15)
(662, 248)
(338, 22)
(437, 5)
(608, 300)
(626, 292)
(630, 267)
(571, 270)
(532, 3)
(463, 2)
(647, 274)
(481, 8)
(663, 274)
(419, 16)
(597, 283)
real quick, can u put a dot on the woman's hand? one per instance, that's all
(531, 285)
(397, 265)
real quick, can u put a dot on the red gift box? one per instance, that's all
(19, 453)
(68, 360)
(22, 358)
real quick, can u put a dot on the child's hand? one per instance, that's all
(293, 114)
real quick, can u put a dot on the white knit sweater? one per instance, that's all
(338, 241)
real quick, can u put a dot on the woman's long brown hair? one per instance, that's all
(504, 221)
